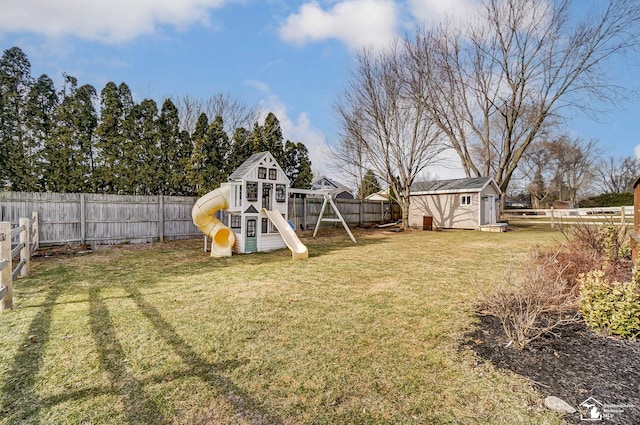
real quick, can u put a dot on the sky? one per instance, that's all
(291, 58)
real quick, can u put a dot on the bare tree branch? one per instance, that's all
(382, 128)
(493, 85)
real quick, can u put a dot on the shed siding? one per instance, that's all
(446, 211)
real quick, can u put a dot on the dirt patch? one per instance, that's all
(574, 365)
(63, 250)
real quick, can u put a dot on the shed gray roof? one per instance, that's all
(247, 166)
(475, 184)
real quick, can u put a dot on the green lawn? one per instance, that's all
(163, 334)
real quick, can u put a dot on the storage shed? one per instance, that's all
(470, 203)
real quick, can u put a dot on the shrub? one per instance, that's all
(608, 200)
(533, 300)
(610, 307)
(595, 247)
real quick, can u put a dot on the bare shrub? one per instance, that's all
(533, 300)
(589, 246)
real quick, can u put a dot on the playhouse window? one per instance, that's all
(262, 173)
(465, 200)
(281, 193)
(265, 225)
(252, 191)
(236, 221)
(273, 174)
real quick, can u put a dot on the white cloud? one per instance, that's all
(109, 21)
(436, 10)
(299, 129)
(636, 151)
(358, 23)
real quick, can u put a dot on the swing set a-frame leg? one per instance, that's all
(328, 199)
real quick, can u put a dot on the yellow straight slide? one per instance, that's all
(203, 214)
(298, 250)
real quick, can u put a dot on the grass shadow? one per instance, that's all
(111, 355)
(245, 406)
(18, 395)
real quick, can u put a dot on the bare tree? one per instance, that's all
(573, 166)
(493, 84)
(382, 129)
(234, 112)
(617, 175)
(559, 169)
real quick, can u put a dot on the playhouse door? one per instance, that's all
(251, 240)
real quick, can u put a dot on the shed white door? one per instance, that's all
(489, 209)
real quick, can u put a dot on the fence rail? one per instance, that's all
(97, 219)
(27, 235)
(556, 216)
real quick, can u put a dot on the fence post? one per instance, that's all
(161, 218)
(5, 274)
(83, 219)
(553, 226)
(304, 212)
(25, 256)
(35, 231)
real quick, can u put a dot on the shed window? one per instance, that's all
(262, 173)
(465, 200)
(281, 191)
(273, 174)
(252, 191)
(265, 225)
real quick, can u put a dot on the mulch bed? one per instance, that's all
(574, 365)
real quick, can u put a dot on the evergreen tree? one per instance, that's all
(110, 140)
(369, 185)
(297, 165)
(175, 152)
(131, 149)
(240, 149)
(42, 101)
(268, 137)
(272, 138)
(219, 146)
(15, 82)
(197, 165)
(210, 157)
(148, 141)
(68, 152)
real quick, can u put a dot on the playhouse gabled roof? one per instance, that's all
(474, 184)
(253, 161)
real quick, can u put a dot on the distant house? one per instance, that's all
(382, 195)
(335, 189)
(455, 204)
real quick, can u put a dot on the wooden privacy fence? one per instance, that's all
(102, 219)
(18, 242)
(304, 212)
(556, 217)
(98, 219)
